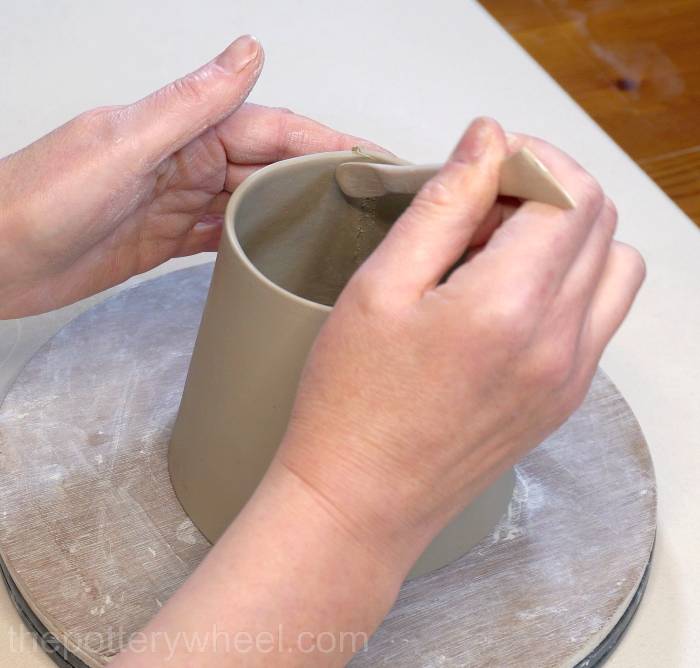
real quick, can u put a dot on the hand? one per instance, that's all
(119, 190)
(419, 393)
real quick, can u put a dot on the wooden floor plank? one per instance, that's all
(634, 67)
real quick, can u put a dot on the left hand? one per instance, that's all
(119, 190)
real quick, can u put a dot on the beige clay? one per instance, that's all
(291, 241)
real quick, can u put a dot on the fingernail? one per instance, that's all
(208, 222)
(512, 141)
(240, 54)
(478, 138)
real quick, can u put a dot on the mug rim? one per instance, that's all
(241, 191)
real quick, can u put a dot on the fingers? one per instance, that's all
(501, 210)
(436, 229)
(256, 136)
(204, 236)
(168, 119)
(261, 135)
(206, 233)
(547, 240)
(217, 206)
(622, 277)
(236, 174)
(584, 276)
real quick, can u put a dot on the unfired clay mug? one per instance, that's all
(290, 243)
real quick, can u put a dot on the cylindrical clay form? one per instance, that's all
(291, 241)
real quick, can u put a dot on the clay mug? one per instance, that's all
(291, 241)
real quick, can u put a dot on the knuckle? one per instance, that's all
(552, 366)
(609, 218)
(591, 195)
(610, 208)
(508, 322)
(367, 295)
(102, 123)
(434, 194)
(188, 88)
(98, 118)
(289, 137)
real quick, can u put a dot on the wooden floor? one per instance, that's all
(634, 66)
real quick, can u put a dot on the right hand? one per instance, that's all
(419, 393)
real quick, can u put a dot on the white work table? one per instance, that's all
(409, 76)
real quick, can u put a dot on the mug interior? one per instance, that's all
(301, 232)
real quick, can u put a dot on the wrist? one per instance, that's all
(290, 542)
(321, 522)
(384, 514)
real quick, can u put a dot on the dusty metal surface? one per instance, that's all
(95, 541)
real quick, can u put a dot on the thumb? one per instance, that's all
(435, 230)
(165, 121)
